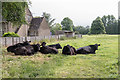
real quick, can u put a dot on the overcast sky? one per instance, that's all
(82, 12)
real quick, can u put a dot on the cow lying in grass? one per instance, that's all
(88, 49)
(13, 47)
(69, 50)
(46, 49)
(27, 50)
(24, 48)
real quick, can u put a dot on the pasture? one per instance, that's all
(103, 64)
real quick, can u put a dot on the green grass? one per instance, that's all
(103, 64)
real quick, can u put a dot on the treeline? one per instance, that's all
(105, 25)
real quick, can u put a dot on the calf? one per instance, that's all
(13, 47)
(57, 46)
(46, 49)
(69, 50)
(88, 49)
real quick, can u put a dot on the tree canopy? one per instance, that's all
(111, 24)
(56, 27)
(14, 12)
(48, 19)
(97, 27)
(67, 24)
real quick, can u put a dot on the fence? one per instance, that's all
(7, 41)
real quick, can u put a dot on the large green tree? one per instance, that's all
(81, 29)
(56, 27)
(67, 24)
(49, 19)
(14, 12)
(119, 25)
(111, 24)
(97, 27)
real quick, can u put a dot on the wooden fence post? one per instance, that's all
(12, 40)
(16, 40)
(25, 38)
(19, 39)
(44, 37)
(22, 39)
(5, 42)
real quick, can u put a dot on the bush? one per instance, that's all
(10, 34)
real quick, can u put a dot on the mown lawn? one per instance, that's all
(103, 64)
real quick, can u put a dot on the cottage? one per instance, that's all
(39, 27)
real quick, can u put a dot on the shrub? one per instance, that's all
(10, 34)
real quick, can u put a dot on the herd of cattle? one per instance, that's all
(26, 48)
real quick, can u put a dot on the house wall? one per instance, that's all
(44, 29)
(28, 15)
(23, 31)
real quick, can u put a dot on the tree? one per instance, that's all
(56, 27)
(67, 24)
(14, 12)
(49, 19)
(81, 29)
(97, 27)
(119, 25)
(111, 24)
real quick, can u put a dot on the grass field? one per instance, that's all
(103, 64)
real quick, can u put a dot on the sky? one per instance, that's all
(81, 12)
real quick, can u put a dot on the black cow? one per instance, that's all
(88, 49)
(69, 50)
(36, 47)
(27, 50)
(46, 49)
(13, 47)
(57, 46)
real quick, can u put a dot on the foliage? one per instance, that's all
(119, 26)
(67, 24)
(111, 24)
(56, 27)
(103, 64)
(48, 19)
(10, 34)
(14, 12)
(81, 29)
(97, 26)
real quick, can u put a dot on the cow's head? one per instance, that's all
(43, 43)
(58, 46)
(96, 46)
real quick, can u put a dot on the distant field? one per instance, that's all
(103, 64)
